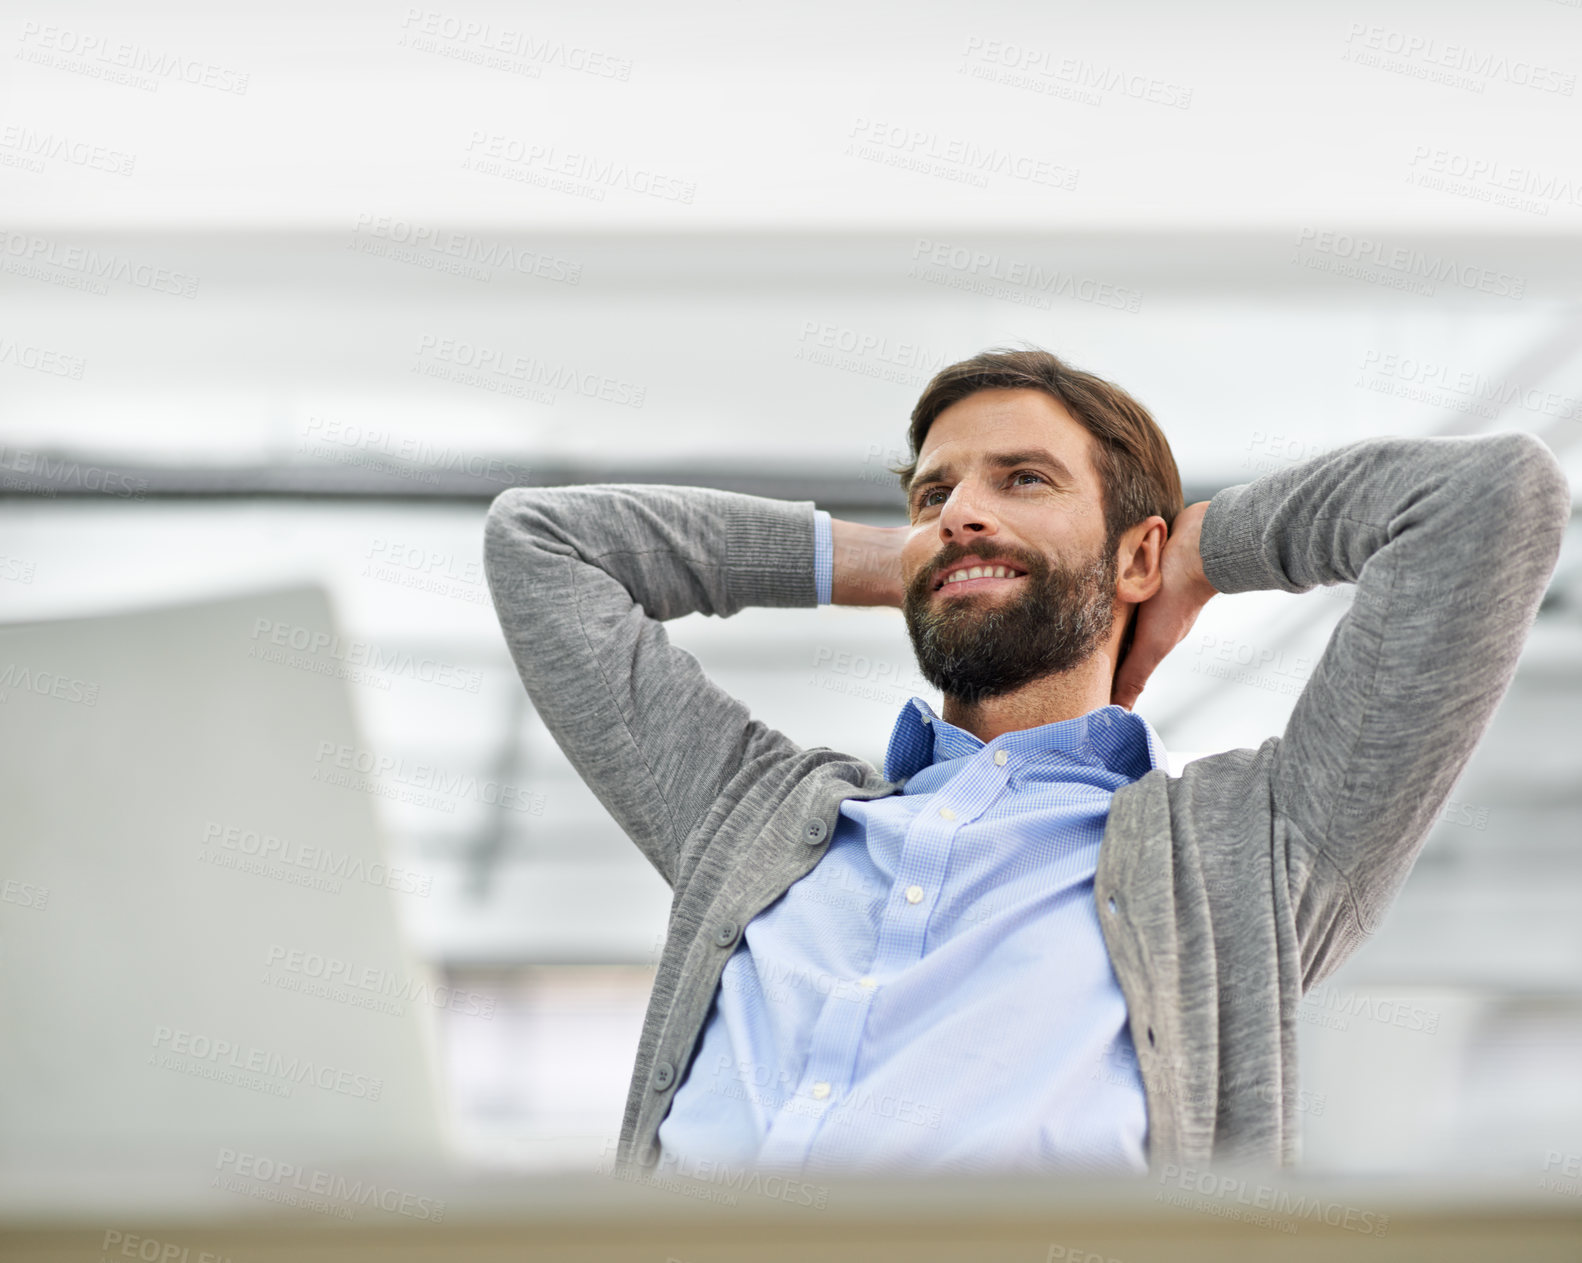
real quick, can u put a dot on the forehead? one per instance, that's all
(1006, 420)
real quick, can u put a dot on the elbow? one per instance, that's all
(503, 510)
(506, 527)
(525, 537)
(1537, 493)
(1554, 486)
(1517, 510)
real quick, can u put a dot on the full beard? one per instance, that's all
(975, 646)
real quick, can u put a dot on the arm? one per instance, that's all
(1451, 543)
(867, 563)
(583, 577)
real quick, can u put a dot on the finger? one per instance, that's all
(1126, 693)
(1146, 653)
(1133, 675)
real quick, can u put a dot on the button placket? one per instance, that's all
(832, 1052)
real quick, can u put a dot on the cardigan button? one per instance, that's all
(664, 1076)
(815, 831)
(725, 935)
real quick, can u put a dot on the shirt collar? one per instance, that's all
(1119, 738)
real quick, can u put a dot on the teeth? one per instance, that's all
(979, 572)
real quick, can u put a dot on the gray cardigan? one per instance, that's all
(1224, 893)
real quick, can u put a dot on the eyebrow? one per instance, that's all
(1000, 460)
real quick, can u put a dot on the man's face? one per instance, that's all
(1006, 479)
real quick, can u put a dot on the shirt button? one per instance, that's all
(947, 813)
(820, 1091)
(914, 894)
(867, 984)
(1000, 756)
(927, 720)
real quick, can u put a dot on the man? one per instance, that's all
(1023, 945)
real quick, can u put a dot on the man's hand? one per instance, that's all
(1166, 617)
(867, 563)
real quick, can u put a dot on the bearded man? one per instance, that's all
(1024, 945)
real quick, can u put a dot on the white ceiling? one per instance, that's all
(346, 112)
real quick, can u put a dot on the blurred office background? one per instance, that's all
(288, 294)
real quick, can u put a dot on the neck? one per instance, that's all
(1046, 700)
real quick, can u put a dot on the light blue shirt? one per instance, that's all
(935, 994)
(823, 556)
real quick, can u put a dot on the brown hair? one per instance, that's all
(1137, 472)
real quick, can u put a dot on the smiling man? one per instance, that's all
(1023, 944)
(1043, 640)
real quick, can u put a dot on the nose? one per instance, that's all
(965, 515)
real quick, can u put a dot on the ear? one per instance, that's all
(1137, 557)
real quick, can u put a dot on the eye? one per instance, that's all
(1028, 473)
(923, 500)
